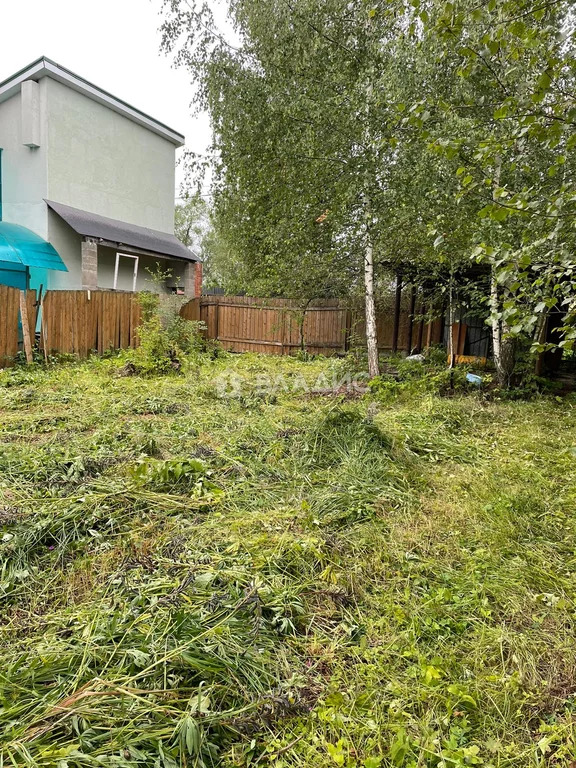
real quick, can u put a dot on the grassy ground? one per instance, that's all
(282, 580)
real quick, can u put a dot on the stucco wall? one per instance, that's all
(102, 162)
(69, 245)
(24, 170)
(90, 158)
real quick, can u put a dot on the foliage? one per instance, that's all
(191, 222)
(436, 134)
(194, 227)
(165, 338)
(354, 584)
(299, 181)
(504, 118)
(410, 379)
(527, 130)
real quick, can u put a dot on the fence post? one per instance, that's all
(25, 326)
(217, 321)
(421, 328)
(348, 330)
(397, 303)
(411, 318)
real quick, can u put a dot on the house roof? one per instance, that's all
(120, 233)
(19, 245)
(44, 67)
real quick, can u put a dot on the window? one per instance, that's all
(136, 259)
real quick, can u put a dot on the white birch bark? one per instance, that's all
(503, 349)
(371, 336)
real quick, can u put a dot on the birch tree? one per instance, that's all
(302, 107)
(501, 86)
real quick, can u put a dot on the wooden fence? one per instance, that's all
(282, 326)
(79, 322)
(17, 309)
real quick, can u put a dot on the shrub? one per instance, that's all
(165, 338)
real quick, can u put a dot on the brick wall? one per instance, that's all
(198, 279)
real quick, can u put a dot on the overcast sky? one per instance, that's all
(113, 43)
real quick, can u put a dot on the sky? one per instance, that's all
(114, 44)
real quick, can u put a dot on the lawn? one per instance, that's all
(282, 579)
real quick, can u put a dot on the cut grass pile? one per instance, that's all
(191, 580)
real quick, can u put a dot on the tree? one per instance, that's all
(508, 116)
(193, 226)
(191, 222)
(301, 116)
(431, 138)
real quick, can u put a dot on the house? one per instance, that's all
(86, 188)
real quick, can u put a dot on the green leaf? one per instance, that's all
(400, 747)
(545, 80)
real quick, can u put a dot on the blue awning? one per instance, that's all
(21, 246)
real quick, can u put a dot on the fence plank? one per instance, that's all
(9, 311)
(79, 322)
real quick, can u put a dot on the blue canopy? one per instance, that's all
(21, 246)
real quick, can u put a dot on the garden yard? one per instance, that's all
(283, 579)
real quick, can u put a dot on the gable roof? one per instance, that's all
(119, 233)
(44, 67)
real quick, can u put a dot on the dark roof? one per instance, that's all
(131, 235)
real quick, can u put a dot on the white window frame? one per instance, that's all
(126, 256)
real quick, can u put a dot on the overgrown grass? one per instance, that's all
(282, 580)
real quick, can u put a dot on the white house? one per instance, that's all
(86, 188)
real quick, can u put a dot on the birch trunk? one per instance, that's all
(494, 307)
(371, 336)
(503, 349)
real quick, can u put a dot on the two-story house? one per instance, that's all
(86, 188)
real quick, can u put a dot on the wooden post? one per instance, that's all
(411, 318)
(348, 330)
(458, 338)
(421, 329)
(217, 321)
(397, 312)
(25, 327)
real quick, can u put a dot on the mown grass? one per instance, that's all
(282, 580)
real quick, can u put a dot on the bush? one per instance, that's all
(413, 378)
(165, 338)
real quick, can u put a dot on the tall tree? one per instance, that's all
(507, 114)
(419, 135)
(302, 126)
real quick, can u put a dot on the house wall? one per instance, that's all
(69, 245)
(102, 162)
(91, 158)
(24, 170)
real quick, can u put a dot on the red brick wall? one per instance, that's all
(198, 280)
